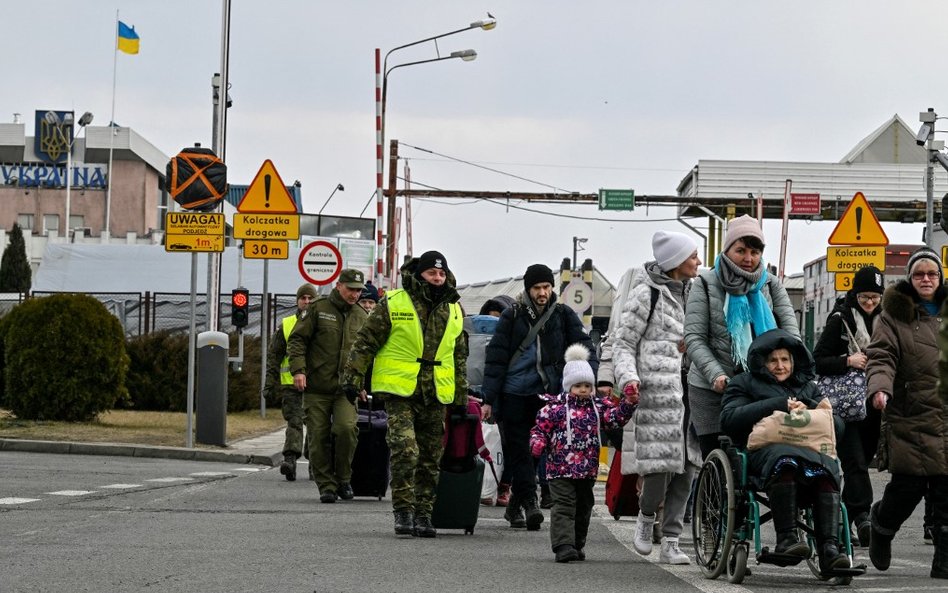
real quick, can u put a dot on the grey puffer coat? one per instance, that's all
(756, 394)
(709, 343)
(657, 438)
(903, 362)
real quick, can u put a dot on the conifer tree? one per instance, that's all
(15, 272)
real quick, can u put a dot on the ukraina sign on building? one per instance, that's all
(39, 175)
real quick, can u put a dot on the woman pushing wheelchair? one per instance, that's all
(780, 378)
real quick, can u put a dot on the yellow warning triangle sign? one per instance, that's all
(859, 225)
(267, 194)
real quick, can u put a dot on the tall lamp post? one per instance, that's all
(338, 187)
(381, 78)
(52, 118)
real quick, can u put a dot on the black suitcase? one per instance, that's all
(458, 496)
(370, 463)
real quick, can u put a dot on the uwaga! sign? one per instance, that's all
(38, 175)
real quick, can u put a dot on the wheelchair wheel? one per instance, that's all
(737, 563)
(712, 521)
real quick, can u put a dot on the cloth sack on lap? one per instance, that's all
(812, 429)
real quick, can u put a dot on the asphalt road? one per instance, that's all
(99, 523)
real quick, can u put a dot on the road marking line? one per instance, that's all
(211, 474)
(171, 480)
(72, 492)
(121, 486)
(17, 500)
(249, 469)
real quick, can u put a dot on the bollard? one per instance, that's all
(211, 399)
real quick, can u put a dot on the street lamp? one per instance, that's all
(381, 88)
(52, 118)
(337, 188)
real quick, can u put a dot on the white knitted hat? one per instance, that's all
(577, 369)
(671, 249)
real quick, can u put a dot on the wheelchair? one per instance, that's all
(726, 520)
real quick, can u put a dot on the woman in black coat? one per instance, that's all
(836, 354)
(780, 377)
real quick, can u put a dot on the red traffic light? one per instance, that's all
(239, 299)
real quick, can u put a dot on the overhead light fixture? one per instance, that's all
(465, 54)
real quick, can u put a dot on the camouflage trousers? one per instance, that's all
(415, 430)
(293, 414)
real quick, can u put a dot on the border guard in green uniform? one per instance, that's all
(318, 348)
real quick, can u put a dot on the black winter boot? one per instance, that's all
(783, 508)
(940, 561)
(404, 523)
(826, 527)
(514, 514)
(533, 513)
(880, 541)
(423, 527)
(288, 467)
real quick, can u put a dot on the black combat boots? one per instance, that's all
(423, 527)
(288, 467)
(826, 528)
(404, 523)
(783, 508)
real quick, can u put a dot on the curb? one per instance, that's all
(125, 450)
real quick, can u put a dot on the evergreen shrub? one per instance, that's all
(64, 359)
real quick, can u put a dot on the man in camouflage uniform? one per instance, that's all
(420, 365)
(278, 373)
(317, 350)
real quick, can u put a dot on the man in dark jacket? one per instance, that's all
(317, 349)
(415, 342)
(517, 370)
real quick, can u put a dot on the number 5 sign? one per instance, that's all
(578, 296)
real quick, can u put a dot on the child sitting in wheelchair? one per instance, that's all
(780, 377)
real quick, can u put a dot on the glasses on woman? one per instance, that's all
(869, 298)
(922, 275)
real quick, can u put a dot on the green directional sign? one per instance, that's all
(617, 199)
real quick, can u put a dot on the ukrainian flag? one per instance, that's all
(127, 39)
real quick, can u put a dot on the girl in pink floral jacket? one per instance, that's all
(568, 430)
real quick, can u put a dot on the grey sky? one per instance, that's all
(577, 96)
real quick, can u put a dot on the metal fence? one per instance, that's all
(142, 313)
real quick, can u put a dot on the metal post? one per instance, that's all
(264, 327)
(69, 179)
(930, 196)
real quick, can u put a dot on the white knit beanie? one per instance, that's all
(920, 254)
(671, 249)
(577, 369)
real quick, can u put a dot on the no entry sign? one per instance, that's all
(320, 262)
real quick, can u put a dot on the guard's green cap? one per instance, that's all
(352, 278)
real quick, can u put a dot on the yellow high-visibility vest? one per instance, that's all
(399, 361)
(289, 322)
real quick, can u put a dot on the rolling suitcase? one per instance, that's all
(458, 495)
(622, 496)
(370, 463)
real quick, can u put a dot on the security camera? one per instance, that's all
(923, 133)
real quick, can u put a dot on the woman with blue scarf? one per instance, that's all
(729, 305)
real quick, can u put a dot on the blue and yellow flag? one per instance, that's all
(127, 39)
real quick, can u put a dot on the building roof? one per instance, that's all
(892, 142)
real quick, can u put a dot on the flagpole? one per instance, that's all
(108, 189)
